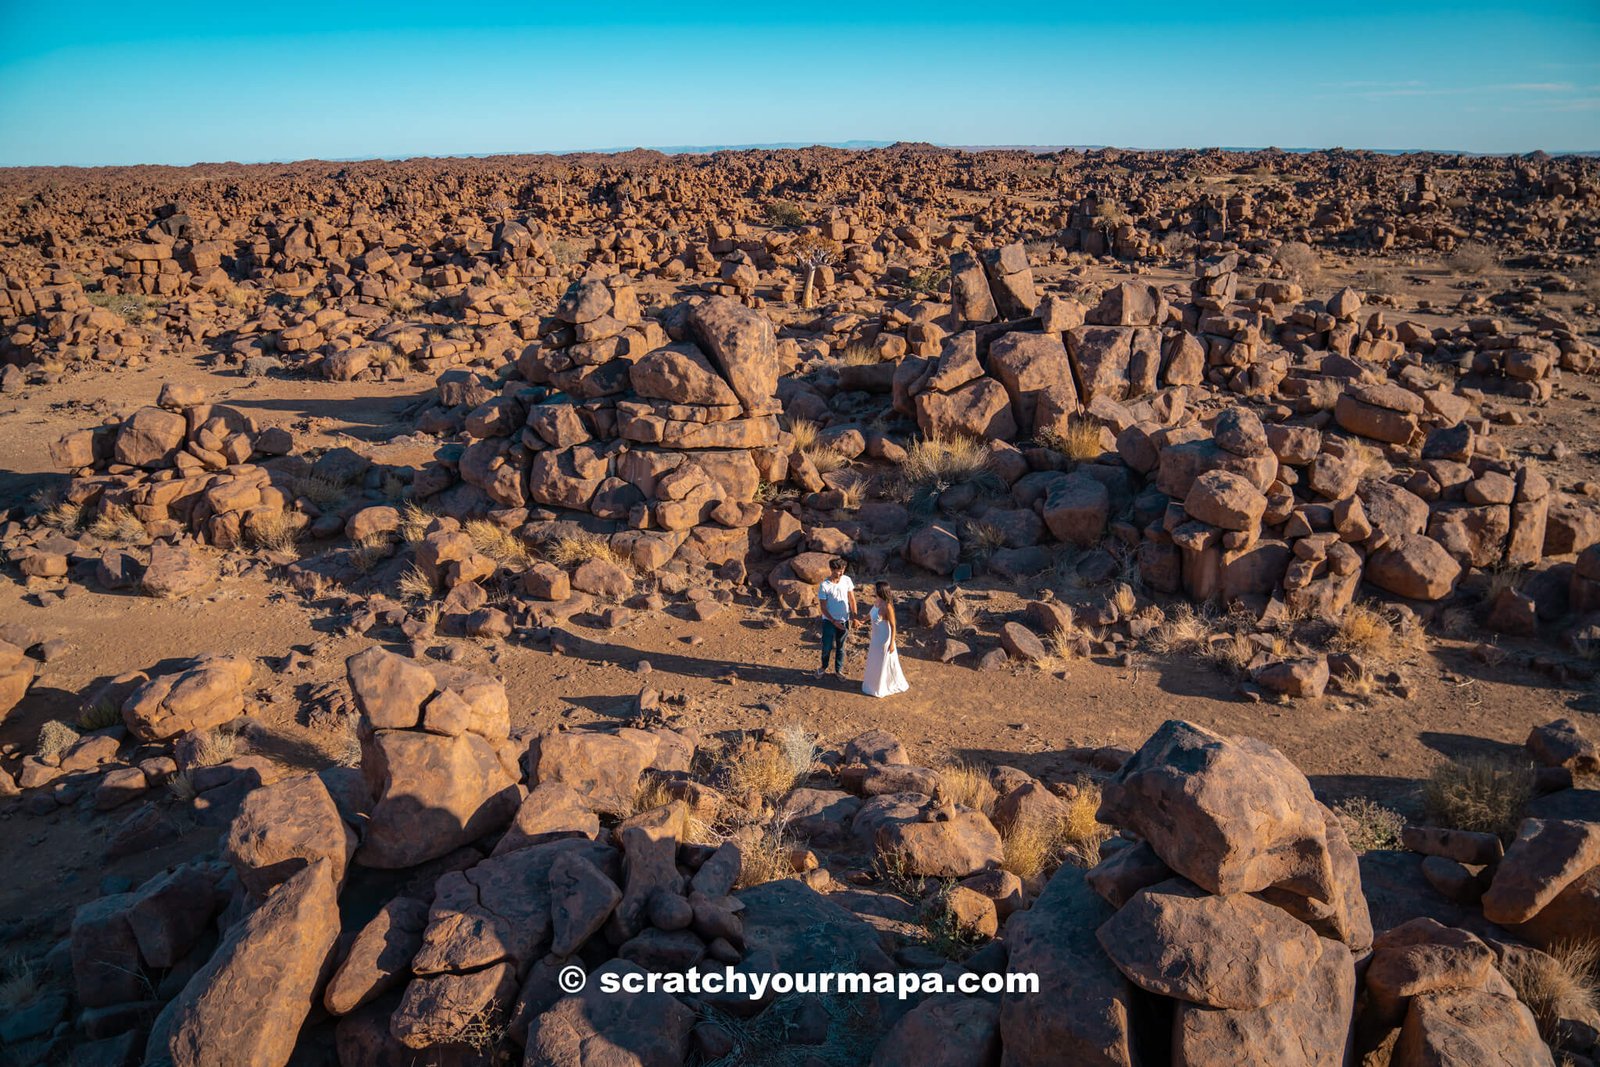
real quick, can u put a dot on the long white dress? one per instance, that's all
(884, 677)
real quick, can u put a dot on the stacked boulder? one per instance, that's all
(1233, 900)
(657, 437)
(436, 757)
(181, 466)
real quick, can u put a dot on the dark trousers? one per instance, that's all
(833, 636)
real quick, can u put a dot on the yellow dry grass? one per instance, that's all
(1479, 794)
(1556, 985)
(116, 523)
(497, 542)
(1079, 441)
(570, 550)
(944, 460)
(966, 784)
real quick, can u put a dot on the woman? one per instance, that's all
(884, 677)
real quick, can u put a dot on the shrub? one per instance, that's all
(928, 281)
(1369, 825)
(19, 982)
(943, 930)
(55, 737)
(785, 213)
(212, 747)
(1479, 794)
(766, 851)
(1298, 260)
(1471, 257)
(275, 531)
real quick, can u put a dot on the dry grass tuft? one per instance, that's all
(772, 768)
(1369, 825)
(892, 869)
(1034, 846)
(275, 531)
(322, 491)
(99, 715)
(1079, 441)
(497, 542)
(824, 457)
(19, 982)
(181, 786)
(568, 551)
(1556, 985)
(1184, 631)
(212, 747)
(765, 851)
(371, 550)
(859, 355)
(1364, 629)
(66, 517)
(966, 784)
(55, 737)
(944, 460)
(1479, 794)
(414, 522)
(414, 585)
(116, 523)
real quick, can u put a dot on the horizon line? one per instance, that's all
(861, 145)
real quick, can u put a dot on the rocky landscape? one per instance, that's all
(410, 594)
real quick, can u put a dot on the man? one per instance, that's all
(837, 595)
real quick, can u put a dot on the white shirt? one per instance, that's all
(834, 593)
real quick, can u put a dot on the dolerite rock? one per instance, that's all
(177, 571)
(791, 928)
(208, 693)
(379, 958)
(247, 1004)
(945, 1030)
(1413, 566)
(934, 840)
(1546, 857)
(601, 768)
(1556, 744)
(1423, 956)
(598, 1029)
(16, 674)
(433, 791)
(1231, 815)
(1220, 952)
(1309, 1028)
(1469, 1026)
(1089, 1020)
(497, 910)
(741, 344)
(284, 827)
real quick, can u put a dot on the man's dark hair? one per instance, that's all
(836, 564)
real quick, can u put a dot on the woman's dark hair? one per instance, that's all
(882, 589)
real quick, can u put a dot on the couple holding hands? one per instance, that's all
(837, 596)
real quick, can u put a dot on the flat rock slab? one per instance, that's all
(1175, 940)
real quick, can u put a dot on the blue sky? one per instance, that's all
(183, 82)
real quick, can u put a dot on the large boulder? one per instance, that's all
(1230, 815)
(208, 693)
(1413, 566)
(742, 346)
(1089, 1018)
(600, 1028)
(247, 1004)
(283, 828)
(434, 794)
(1233, 951)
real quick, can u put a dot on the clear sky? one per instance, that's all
(174, 81)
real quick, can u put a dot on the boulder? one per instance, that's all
(247, 1004)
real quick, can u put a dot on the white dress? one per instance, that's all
(884, 677)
